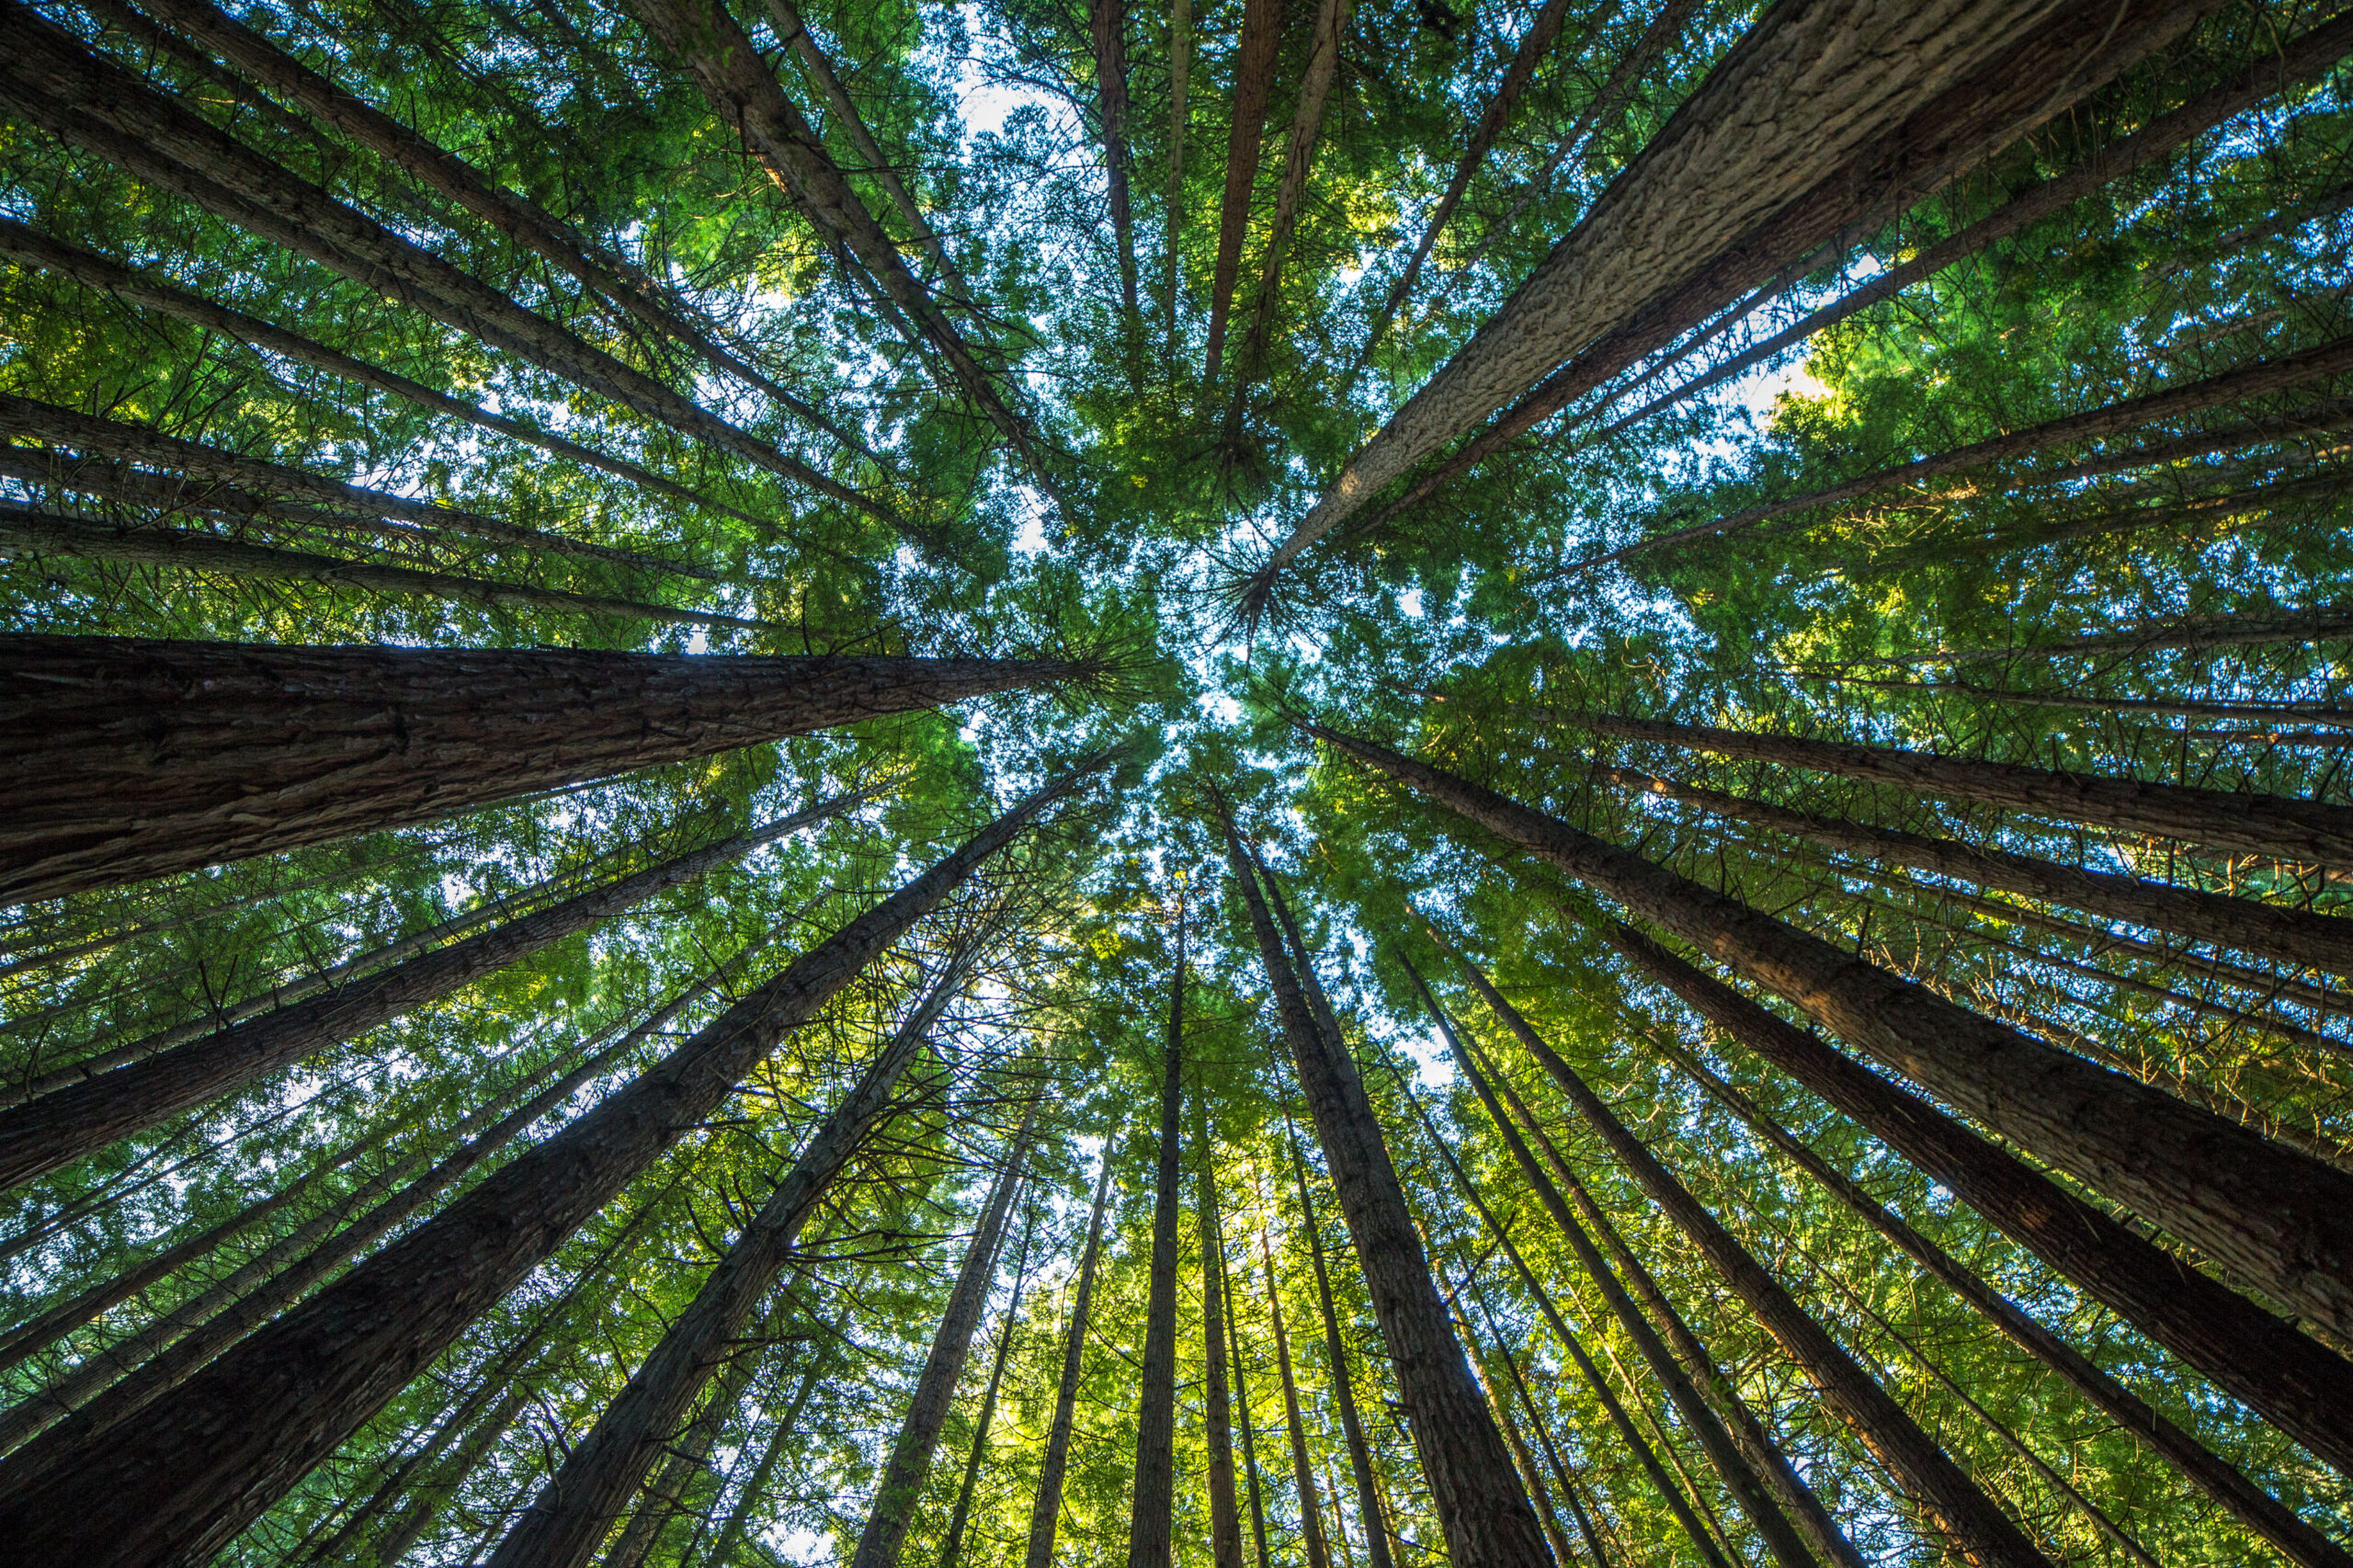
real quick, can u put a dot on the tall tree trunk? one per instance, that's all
(1106, 26)
(1241, 1410)
(1732, 1462)
(664, 1497)
(2281, 1218)
(434, 1494)
(1046, 1507)
(2297, 936)
(1488, 1520)
(142, 757)
(1335, 1354)
(1225, 1516)
(1302, 1473)
(1552, 1456)
(2246, 628)
(2304, 832)
(80, 1119)
(909, 1466)
(2284, 1376)
(1254, 86)
(204, 1469)
(731, 1534)
(1180, 71)
(1546, 1514)
(961, 1515)
(1775, 153)
(1152, 1498)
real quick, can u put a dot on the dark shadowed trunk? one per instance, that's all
(1303, 1471)
(142, 757)
(1151, 1507)
(1336, 1355)
(1226, 1516)
(961, 1515)
(1253, 85)
(731, 1533)
(1046, 1507)
(1106, 26)
(666, 1496)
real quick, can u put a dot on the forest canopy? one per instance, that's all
(1263, 783)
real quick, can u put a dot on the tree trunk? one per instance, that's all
(1225, 1516)
(204, 1469)
(1552, 1457)
(142, 757)
(961, 1515)
(1302, 1473)
(2282, 1374)
(1298, 157)
(1151, 1507)
(1488, 1520)
(1046, 1508)
(909, 1466)
(1785, 144)
(1106, 26)
(1253, 85)
(664, 1497)
(1546, 1513)
(2300, 938)
(1180, 69)
(2252, 629)
(1242, 1409)
(2283, 1219)
(80, 1119)
(2282, 827)
(433, 1492)
(731, 1535)
(24, 531)
(1336, 1355)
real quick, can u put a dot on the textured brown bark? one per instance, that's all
(24, 531)
(1107, 27)
(2282, 827)
(131, 758)
(1488, 1520)
(2296, 936)
(909, 1466)
(1299, 158)
(1731, 1465)
(1180, 71)
(1336, 1357)
(2283, 1219)
(664, 1496)
(1152, 1497)
(2289, 1380)
(204, 1469)
(33, 248)
(1242, 1411)
(1253, 85)
(1303, 1471)
(52, 81)
(81, 1119)
(1225, 1515)
(1046, 1507)
(953, 1547)
(1823, 114)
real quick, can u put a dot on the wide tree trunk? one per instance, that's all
(1488, 1520)
(2284, 1376)
(1225, 1515)
(1153, 1497)
(2282, 827)
(909, 1466)
(80, 1119)
(2297, 936)
(1335, 1356)
(1046, 1507)
(204, 1469)
(2283, 1220)
(1303, 1470)
(1254, 86)
(1731, 1463)
(139, 758)
(1789, 142)
(961, 1515)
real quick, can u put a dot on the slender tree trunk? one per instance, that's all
(434, 1494)
(80, 1119)
(2292, 1382)
(204, 1469)
(1180, 69)
(1311, 1505)
(2297, 936)
(2254, 629)
(664, 1497)
(1732, 1461)
(1546, 1514)
(1151, 1507)
(731, 1535)
(2284, 828)
(1488, 1520)
(1242, 1409)
(141, 758)
(1343, 1386)
(1254, 86)
(1106, 22)
(1552, 1455)
(2283, 1219)
(1046, 1508)
(962, 1514)
(1225, 1517)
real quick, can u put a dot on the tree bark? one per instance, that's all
(1336, 1355)
(664, 1497)
(1180, 69)
(1302, 1473)
(204, 1469)
(731, 1534)
(2300, 937)
(2277, 826)
(954, 1547)
(1254, 86)
(1546, 1513)
(1484, 1510)
(78, 1119)
(1153, 1497)
(1106, 26)
(2283, 1220)
(2252, 629)
(140, 758)
(1241, 1410)
(2282, 1374)
(1552, 1457)
(1046, 1508)
(1298, 157)
(1225, 1515)
(909, 1466)
(433, 1492)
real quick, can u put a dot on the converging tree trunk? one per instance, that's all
(204, 1469)
(140, 757)
(1299, 158)
(960, 1515)
(1253, 85)
(1046, 1508)
(1225, 1516)
(756, 1486)
(1106, 22)
(1336, 1355)
(2283, 1219)
(1303, 1471)
(1242, 1411)
(1180, 69)
(666, 1496)
(1152, 1498)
